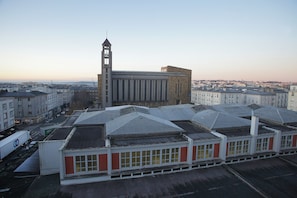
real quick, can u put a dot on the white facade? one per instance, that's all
(223, 96)
(50, 162)
(292, 98)
(6, 114)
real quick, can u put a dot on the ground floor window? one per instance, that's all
(86, 163)
(262, 144)
(204, 151)
(149, 157)
(125, 159)
(286, 141)
(240, 147)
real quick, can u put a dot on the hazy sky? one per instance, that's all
(61, 39)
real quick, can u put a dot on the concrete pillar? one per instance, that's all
(254, 133)
(277, 138)
(190, 150)
(109, 157)
(223, 145)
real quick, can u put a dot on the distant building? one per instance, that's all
(169, 87)
(29, 107)
(6, 113)
(243, 96)
(292, 98)
(135, 141)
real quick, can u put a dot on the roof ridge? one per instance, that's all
(215, 120)
(281, 118)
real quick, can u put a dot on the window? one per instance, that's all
(92, 162)
(165, 156)
(262, 144)
(174, 154)
(231, 148)
(4, 115)
(10, 105)
(245, 146)
(125, 159)
(156, 157)
(80, 163)
(135, 158)
(208, 151)
(258, 145)
(4, 106)
(106, 61)
(289, 141)
(146, 158)
(200, 153)
(265, 144)
(238, 147)
(286, 141)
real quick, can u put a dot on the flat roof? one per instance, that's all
(87, 137)
(272, 177)
(194, 131)
(59, 133)
(132, 141)
(241, 131)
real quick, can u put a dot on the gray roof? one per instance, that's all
(276, 115)
(174, 112)
(96, 117)
(237, 110)
(211, 119)
(60, 133)
(195, 131)
(87, 137)
(136, 123)
(160, 139)
(22, 94)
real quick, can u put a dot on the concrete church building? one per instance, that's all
(134, 141)
(169, 87)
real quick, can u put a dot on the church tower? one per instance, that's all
(106, 72)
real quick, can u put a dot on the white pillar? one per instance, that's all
(190, 150)
(254, 133)
(109, 158)
(277, 138)
(223, 144)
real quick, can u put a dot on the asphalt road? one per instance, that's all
(10, 185)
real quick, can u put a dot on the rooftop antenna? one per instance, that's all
(106, 34)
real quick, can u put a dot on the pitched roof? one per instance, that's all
(136, 123)
(106, 43)
(276, 115)
(174, 112)
(96, 117)
(211, 119)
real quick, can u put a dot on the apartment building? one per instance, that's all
(292, 98)
(6, 113)
(276, 98)
(29, 107)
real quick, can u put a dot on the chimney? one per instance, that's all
(254, 125)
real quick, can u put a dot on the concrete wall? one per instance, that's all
(49, 156)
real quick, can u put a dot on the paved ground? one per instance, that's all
(262, 178)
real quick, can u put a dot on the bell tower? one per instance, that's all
(106, 72)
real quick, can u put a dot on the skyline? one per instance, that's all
(227, 40)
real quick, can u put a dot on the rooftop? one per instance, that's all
(87, 137)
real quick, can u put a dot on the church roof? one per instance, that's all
(106, 43)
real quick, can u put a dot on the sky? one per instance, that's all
(61, 40)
